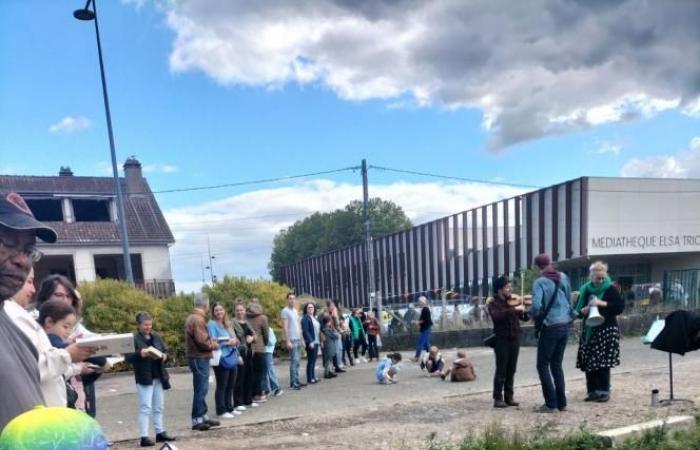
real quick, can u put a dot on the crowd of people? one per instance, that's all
(47, 367)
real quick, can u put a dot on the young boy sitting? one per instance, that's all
(462, 368)
(434, 364)
(388, 369)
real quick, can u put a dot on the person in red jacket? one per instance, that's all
(373, 331)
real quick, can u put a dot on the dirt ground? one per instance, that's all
(351, 412)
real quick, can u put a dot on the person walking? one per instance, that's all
(553, 314)
(225, 361)
(198, 349)
(293, 340)
(425, 326)
(599, 347)
(310, 330)
(506, 326)
(152, 379)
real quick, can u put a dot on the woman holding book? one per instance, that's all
(151, 378)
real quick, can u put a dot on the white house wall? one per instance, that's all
(155, 260)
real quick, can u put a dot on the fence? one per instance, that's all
(682, 288)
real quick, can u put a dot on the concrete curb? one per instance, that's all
(615, 437)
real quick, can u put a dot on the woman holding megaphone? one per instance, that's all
(599, 304)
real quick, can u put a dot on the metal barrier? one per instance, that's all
(682, 288)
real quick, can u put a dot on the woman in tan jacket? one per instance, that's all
(258, 322)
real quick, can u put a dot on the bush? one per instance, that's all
(272, 296)
(110, 306)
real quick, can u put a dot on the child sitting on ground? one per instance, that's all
(388, 369)
(434, 364)
(462, 368)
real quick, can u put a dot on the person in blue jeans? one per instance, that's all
(198, 349)
(425, 325)
(293, 340)
(270, 384)
(551, 287)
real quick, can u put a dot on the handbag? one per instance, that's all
(490, 340)
(229, 361)
(539, 321)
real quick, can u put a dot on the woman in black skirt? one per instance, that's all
(599, 347)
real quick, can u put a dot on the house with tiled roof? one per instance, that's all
(83, 211)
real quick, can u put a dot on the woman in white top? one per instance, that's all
(54, 363)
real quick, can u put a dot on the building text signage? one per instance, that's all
(660, 242)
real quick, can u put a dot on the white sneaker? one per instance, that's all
(241, 408)
(254, 405)
(363, 359)
(235, 412)
(357, 361)
(226, 415)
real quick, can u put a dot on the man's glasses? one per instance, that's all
(33, 253)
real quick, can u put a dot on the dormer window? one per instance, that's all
(91, 210)
(46, 209)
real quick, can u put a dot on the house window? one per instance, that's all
(90, 210)
(46, 209)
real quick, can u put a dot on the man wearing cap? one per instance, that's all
(551, 287)
(19, 371)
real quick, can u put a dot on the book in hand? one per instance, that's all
(109, 344)
(154, 352)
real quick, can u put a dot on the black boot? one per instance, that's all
(499, 404)
(147, 442)
(164, 437)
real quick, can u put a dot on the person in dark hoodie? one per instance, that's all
(551, 306)
(258, 323)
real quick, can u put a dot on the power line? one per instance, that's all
(261, 181)
(447, 177)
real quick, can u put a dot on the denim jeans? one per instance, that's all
(295, 356)
(269, 381)
(90, 397)
(150, 404)
(200, 387)
(550, 353)
(372, 346)
(311, 355)
(423, 341)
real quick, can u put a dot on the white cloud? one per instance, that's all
(162, 168)
(70, 124)
(607, 147)
(684, 164)
(533, 68)
(240, 229)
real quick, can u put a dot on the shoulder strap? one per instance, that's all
(551, 300)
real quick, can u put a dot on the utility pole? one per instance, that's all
(211, 261)
(368, 243)
(201, 264)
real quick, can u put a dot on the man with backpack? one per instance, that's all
(553, 313)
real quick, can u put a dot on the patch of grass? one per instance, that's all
(497, 438)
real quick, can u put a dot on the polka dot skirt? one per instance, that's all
(602, 349)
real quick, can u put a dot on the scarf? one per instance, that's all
(586, 291)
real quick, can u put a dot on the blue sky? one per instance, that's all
(199, 106)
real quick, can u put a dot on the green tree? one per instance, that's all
(320, 233)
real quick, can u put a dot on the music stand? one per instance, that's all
(677, 334)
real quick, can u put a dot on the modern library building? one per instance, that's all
(643, 228)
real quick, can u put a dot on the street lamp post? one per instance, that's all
(86, 14)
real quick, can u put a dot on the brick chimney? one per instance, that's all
(65, 172)
(134, 177)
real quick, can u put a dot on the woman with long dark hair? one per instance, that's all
(243, 390)
(310, 329)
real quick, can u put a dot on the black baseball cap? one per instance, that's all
(16, 215)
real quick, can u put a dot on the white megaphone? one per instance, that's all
(594, 318)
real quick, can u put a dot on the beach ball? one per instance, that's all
(53, 428)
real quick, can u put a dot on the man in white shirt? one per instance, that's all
(292, 336)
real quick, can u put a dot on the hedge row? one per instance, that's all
(110, 306)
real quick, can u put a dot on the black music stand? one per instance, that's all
(680, 335)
